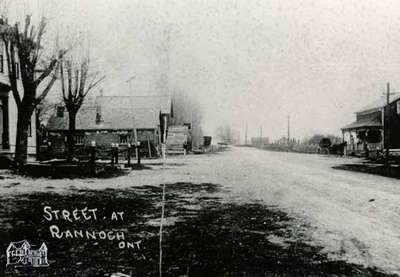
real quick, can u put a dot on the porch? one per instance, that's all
(363, 137)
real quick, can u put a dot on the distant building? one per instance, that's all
(282, 141)
(21, 254)
(259, 141)
(367, 134)
(113, 119)
(179, 139)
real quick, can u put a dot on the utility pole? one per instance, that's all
(245, 136)
(386, 111)
(288, 129)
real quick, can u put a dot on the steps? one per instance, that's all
(177, 139)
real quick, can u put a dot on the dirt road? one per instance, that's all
(354, 216)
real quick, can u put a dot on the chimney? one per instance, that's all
(98, 107)
(98, 114)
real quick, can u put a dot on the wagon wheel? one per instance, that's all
(325, 151)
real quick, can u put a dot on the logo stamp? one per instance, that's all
(24, 254)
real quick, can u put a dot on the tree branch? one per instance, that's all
(76, 85)
(69, 77)
(94, 84)
(50, 67)
(84, 71)
(46, 89)
(62, 79)
(10, 54)
(46, 72)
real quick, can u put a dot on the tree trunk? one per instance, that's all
(38, 133)
(21, 144)
(71, 135)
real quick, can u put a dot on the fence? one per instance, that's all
(91, 154)
(335, 149)
(299, 148)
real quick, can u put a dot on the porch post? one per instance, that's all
(6, 124)
(344, 146)
(387, 122)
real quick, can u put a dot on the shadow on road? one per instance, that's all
(203, 235)
(377, 169)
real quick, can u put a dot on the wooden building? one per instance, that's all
(113, 120)
(259, 141)
(377, 126)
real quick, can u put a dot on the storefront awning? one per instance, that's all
(366, 123)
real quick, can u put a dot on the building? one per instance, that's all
(21, 253)
(113, 119)
(179, 139)
(259, 141)
(9, 111)
(377, 126)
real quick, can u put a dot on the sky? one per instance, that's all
(252, 62)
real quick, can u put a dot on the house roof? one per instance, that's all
(86, 120)
(117, 112)
(377, 105)
(363, 123)
(18, 244)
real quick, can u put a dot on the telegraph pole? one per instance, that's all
(288, 129)
(245, 136)
(386, 111)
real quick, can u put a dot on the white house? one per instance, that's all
(21, 253)
(8, 112)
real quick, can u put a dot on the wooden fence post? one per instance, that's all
(116, 153)
(138, 152)
(112, 153)
(129, 155)
(93, 158)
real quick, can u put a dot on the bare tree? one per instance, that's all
(226, 133)
(43, 112)
(76, 83)
(24, 55)
(186, 109)
(4, 8)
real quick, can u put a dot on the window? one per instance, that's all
(98, 114)
(30, 129)
(1, 64)
(123, 139)
(98, 118)
(79, 140)
(60, 111)
(17, 70)
(374, 136)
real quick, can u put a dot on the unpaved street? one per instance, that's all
(352, 216)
